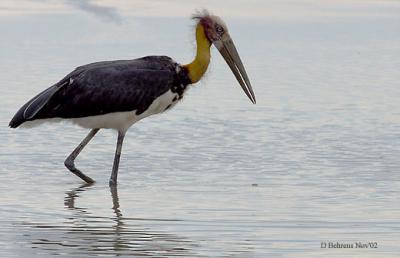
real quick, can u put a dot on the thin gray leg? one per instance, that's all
(70, 161)
(114, 173)
(115, 201)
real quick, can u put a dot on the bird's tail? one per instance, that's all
(28, 111)
(16, 121)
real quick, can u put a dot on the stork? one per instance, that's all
(117, 94)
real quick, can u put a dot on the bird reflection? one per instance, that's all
(69, 200)
(118, 217)
(85, 234)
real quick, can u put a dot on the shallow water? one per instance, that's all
(316, 160)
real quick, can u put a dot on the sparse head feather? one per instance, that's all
(214, 26)
(198, 15)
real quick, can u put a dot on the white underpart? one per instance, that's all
(120, 121)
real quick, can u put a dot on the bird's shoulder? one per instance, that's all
(140, 70)
(151, 63)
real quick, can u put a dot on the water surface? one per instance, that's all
(316, 160)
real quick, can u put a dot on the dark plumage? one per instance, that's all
(106, 87)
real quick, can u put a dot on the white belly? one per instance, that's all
(118, 120)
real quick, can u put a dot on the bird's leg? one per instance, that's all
(115, 201)
(114, 173)
(69, 162)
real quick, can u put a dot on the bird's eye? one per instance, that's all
(219, 30)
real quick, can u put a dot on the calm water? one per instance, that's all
(316, 160)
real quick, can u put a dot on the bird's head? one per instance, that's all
(214, 27)
(217, 33)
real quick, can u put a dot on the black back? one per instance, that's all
(106, 87)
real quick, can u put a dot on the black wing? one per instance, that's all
(101, 88)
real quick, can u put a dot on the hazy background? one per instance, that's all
(316, 160)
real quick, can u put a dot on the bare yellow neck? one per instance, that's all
(199, 66)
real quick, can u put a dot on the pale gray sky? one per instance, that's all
(115, 10)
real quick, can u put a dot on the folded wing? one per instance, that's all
(102, 88)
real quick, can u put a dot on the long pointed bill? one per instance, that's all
(231, 56)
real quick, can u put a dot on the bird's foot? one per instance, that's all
(71, 167)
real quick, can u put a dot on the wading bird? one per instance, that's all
(116, 94)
